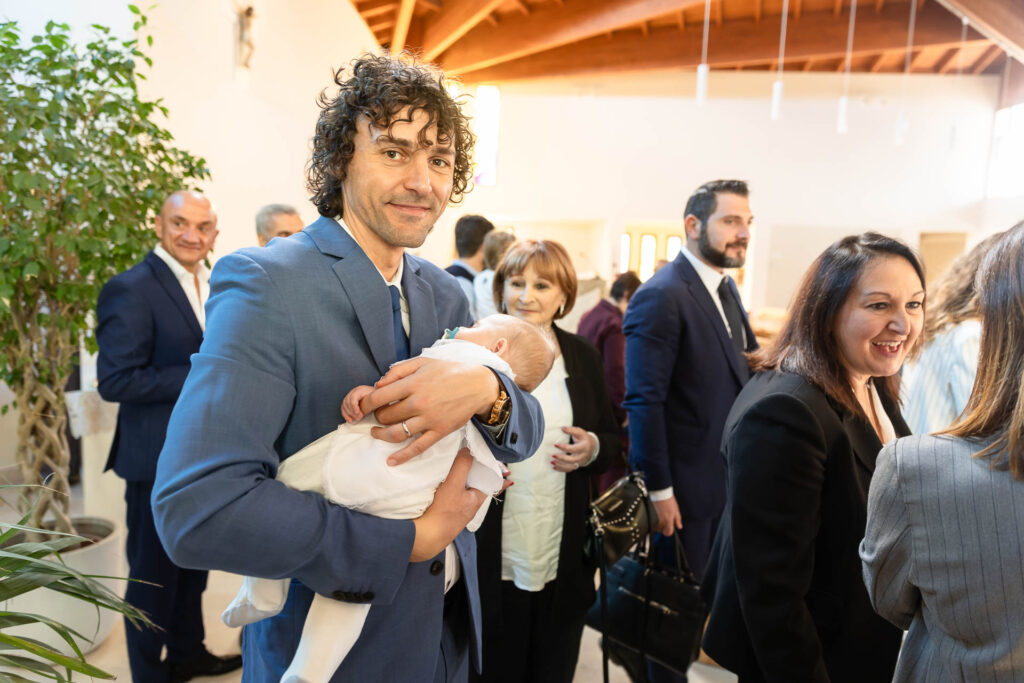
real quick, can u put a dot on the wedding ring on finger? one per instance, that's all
(405, 428)
(575, 465)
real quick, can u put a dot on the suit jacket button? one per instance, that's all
(513, 438)
(436, 567)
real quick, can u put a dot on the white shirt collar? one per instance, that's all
(202, 272)
(397, 279)
(711, 278)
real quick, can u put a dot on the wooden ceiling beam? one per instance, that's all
(368, 14)
(758, 10)
(551, 26)
(943, 62)
(402, 22)
(878, 5)
(1002, 21)
(370, 5)
(876, 65)
(816, 36)
(718, 12)
(431, 5)
(808, 65)
(459, 17)
(986, 59)
(381, 25)
(837, 7)
(797, 8)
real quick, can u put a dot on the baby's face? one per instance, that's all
(486, 332)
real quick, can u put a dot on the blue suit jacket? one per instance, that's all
(147, 332)
(682, 376)
(291, 328)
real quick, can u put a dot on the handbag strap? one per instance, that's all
(602, 569)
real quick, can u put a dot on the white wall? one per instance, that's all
(252, 126)
(623, 150)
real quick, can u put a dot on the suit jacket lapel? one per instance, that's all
(363, 285)
(422, 312)
(172, 287)
(700, 294)
(865, 442)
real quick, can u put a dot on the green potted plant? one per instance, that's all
(84, 165)
(25, 568)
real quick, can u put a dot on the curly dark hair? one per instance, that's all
(381, 87)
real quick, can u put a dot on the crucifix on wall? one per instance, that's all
(246, 14)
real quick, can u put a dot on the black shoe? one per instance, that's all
(206, 664)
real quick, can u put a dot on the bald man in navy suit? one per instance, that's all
(150, 322)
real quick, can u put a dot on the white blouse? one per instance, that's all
(534, 509)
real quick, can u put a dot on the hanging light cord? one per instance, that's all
(849, 45)
(707, 23)
(910, 36)
(782, 34)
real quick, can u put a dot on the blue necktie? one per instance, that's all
(401, 341)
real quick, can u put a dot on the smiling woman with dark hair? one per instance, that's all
(945, 532)
(787, 601)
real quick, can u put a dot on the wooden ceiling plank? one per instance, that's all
(758, 10)
(681, 20)
(986, 59)
(459, 17)
(431, 5)
(718, 12)
(816, 36)
(948, 58)
(837, 7)
(378, 11)
(797, 8)
(1002, 21)
(402, 21)
(878, 5)
(370, 5)
(551, 26)
(645, 29)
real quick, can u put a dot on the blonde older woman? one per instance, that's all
(945, 532)
(535, 583)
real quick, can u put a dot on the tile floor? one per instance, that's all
(220, 639)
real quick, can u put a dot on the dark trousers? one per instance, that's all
(174, 604)
(535, 644)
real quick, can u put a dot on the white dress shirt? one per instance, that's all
(196, 298)
(452, 569)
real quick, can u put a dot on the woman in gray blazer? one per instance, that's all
(943, 551)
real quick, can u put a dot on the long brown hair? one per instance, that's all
(806, 345)
(954, 298)
(995, 409)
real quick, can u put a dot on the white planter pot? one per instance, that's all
(104, 558)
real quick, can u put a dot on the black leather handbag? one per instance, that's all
(619, 519)
(651, 611)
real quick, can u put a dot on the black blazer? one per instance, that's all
(147, 333)
(682, 375)
(788, 603)
(592, 411)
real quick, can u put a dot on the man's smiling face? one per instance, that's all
(397, 183)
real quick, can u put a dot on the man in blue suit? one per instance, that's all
(150, 321)
(292, 328)
(686, 333)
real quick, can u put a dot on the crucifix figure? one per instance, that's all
(246, 14)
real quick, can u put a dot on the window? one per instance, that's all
(624, 242)
(485, 125)
(1006, 167)
(648, 254)
(673, 245)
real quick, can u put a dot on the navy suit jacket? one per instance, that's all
(291, 328)
(682, 376)
(147, 332)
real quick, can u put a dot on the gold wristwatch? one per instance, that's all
(500, 409)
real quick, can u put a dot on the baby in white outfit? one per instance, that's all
(349, 467)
